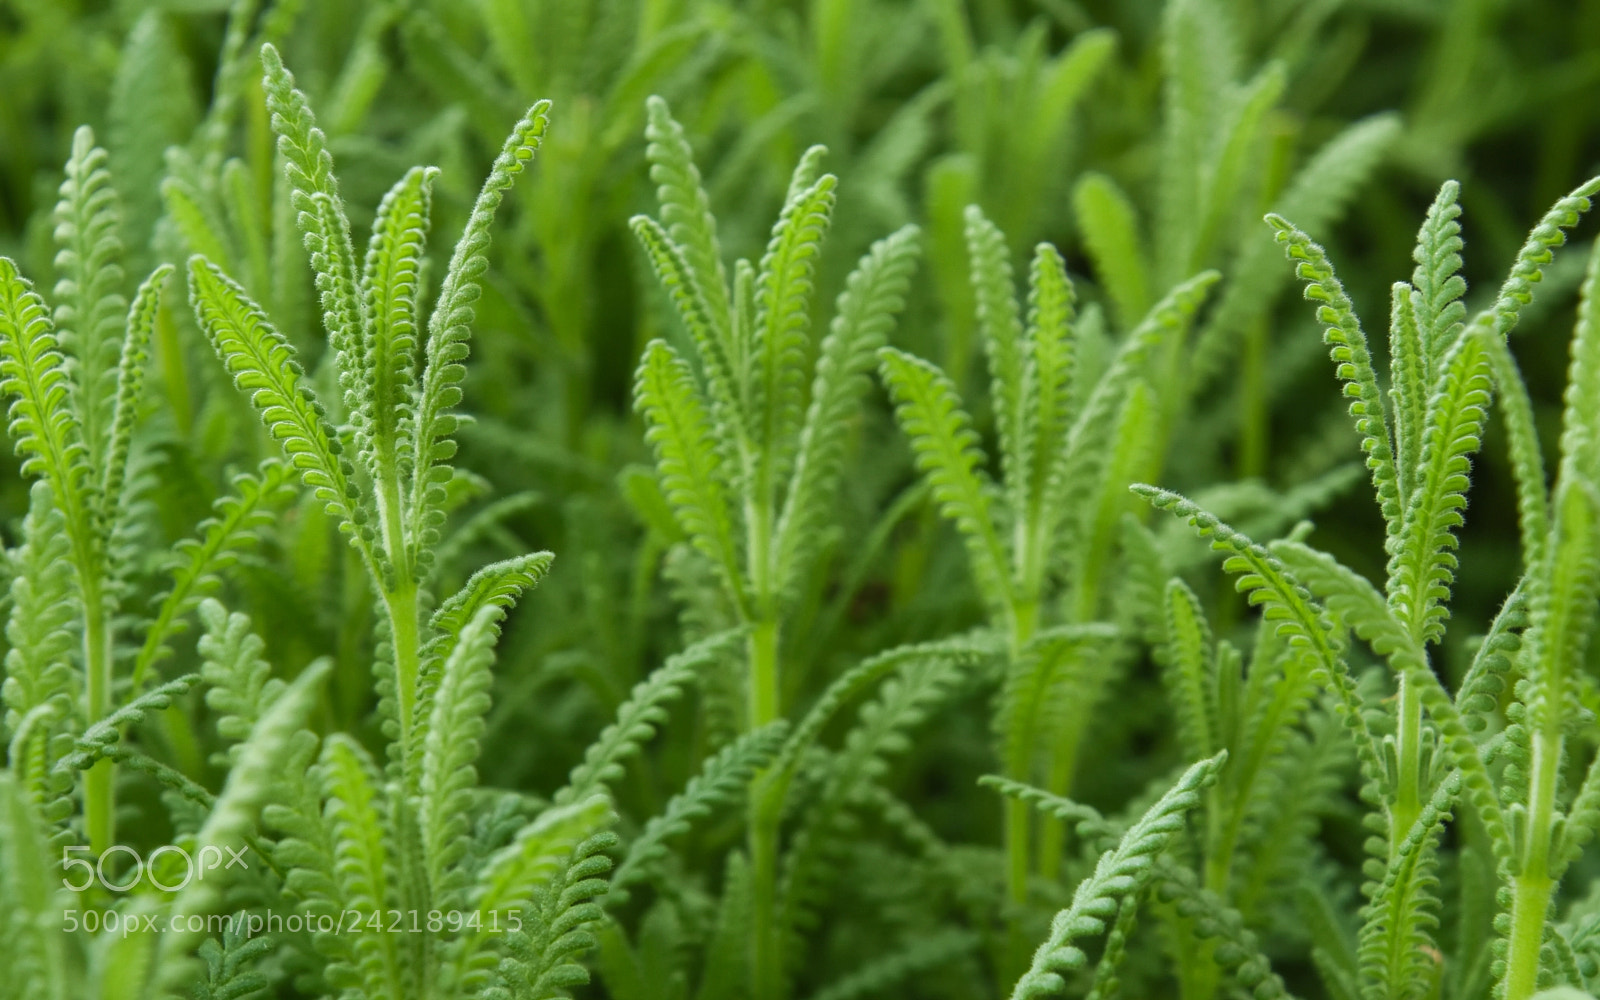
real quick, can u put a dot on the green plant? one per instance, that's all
(806, 612)
(1434, 748)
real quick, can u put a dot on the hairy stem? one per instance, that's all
(99, 790)
(1408, 794)
(401, 604)
(1532, 887)
(765, 958)
(1064, 760)
(1024, 621)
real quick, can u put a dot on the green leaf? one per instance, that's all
(724, 373)
(1563, 606)
(1190, 670)
(1527, 455)
(499, 586)
(724, 777)
(639, 717)
(1537, 253)
(874, 294)
(235, 524)
(427, 445)
(314, 195)
(1110, 229)
(686, 213)
(948, 453)
(1396, 949)
(1120, 873)
(263, 366)
(1010, 379)
(1353, 363)
(1284, 601)
(357, 824)
(390, 282)
(1423, 564)
(781, 344)
(41, 686)
(130, 390)
(1437, 279)
(1580, 424)
(1037, 683)
(1053, 343)
(455, 727)
(42, 422)
(687, 460)
(239, 683)
(89, 303)
(1410, 368)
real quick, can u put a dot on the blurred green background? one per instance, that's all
(1203, 115)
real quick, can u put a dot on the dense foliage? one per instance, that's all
(823, 500)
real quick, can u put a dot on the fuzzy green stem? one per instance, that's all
(1532, 887)
(401, 604)
(1064, 762)
(1408, 794)
(400, 593)
(99, 790)
(1024, 622)
(763, 709)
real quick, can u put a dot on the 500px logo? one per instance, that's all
(208, 858)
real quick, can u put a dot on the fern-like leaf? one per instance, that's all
(686, 213)
(724, 777)
(687, 459)
(1119, 873)
(41, 685)
(428, 444)
(239, 683)
(236, 524)
(357, 830)
(1423, 564)
(1000, 320)
(89, 303)
(781, 342)
(638, 718)
(874, 293)
(1352, 361)
(42, 422)
(130, 389)
(1437, 278)
(390, 281)
(949, 454)
(263, 365)
(1111, 235)
(1188, 671)
(1266, 582)
(459, 704)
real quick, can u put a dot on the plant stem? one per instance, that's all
(400, 600)
(763, 709)
(1532, 887)
(401, 605)
(1024, 621)
(1064, 759)
(99, 784)
(1408, 796)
